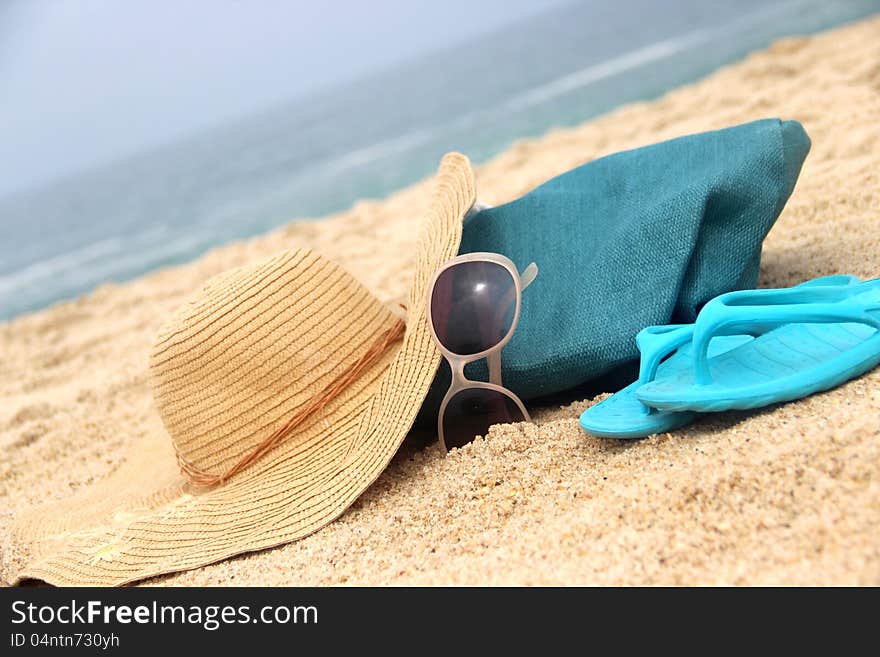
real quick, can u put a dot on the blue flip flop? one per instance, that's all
(623, 416)
(809, 339)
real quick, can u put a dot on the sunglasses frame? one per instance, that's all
(456, 361)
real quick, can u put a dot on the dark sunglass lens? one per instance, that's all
(472, 306)
(472, 411)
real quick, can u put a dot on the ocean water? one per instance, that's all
(318, 155)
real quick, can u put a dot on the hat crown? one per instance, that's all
(253, 346)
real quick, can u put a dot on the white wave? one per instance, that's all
(139, 260)
(67, 265)
(637, 58)
(58, 265)
(377, 151)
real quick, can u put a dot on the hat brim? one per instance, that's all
(146, 520)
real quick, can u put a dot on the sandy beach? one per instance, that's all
(784, 495)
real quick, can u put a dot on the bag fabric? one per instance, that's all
(635, 239)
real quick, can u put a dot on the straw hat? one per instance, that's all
(285, 387)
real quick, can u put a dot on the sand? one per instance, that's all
(785, 495)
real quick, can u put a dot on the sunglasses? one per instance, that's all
(473, 307)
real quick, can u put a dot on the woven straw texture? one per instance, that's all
(229, 368)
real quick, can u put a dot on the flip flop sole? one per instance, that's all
(623, 416)
(787, 363)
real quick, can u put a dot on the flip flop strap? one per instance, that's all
(657, 342)
(756, 311)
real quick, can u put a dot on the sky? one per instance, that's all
(83, 82)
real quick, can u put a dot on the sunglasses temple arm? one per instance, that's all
(494, 360)
(528, 275)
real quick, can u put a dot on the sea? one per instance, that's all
(317, 155)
